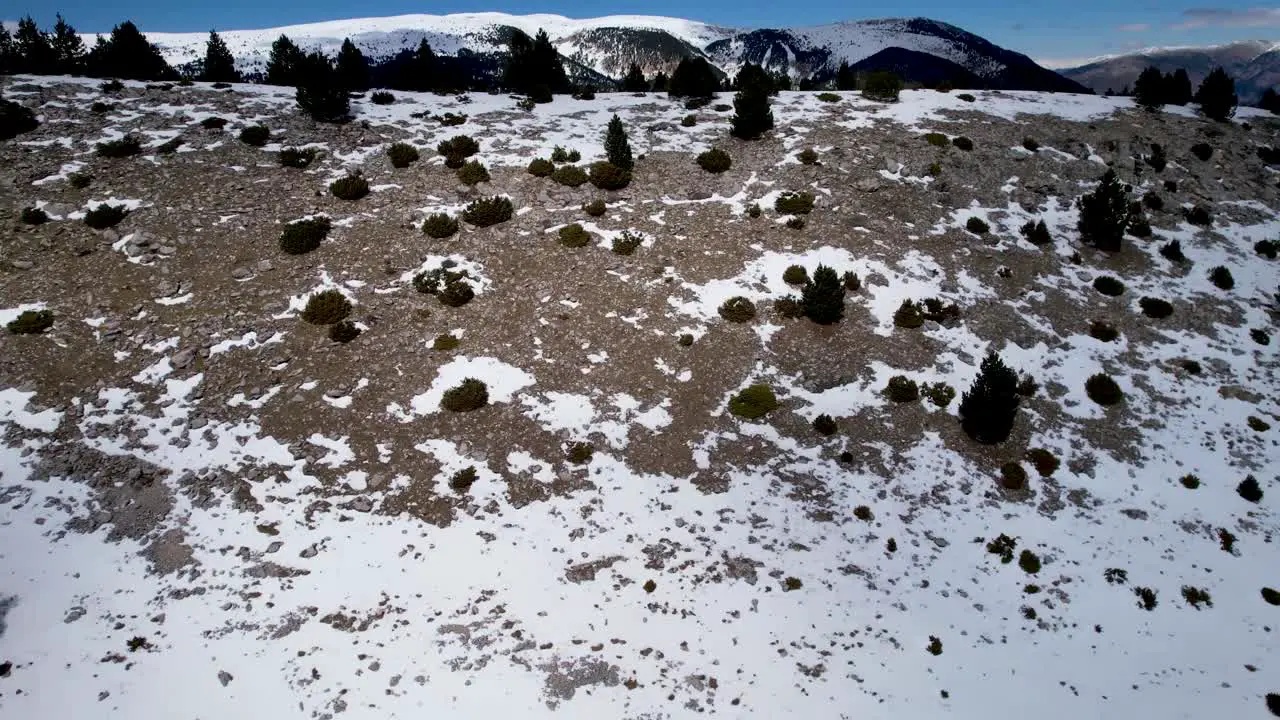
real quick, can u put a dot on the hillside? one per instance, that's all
(210, 508)
(1255, 65)
(609, 45)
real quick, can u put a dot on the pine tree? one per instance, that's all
(660, 82)
(693, 77)
(284, 62)
(1270, 101)
(1151, 90)
(319, 92)
(548, 70)
(846, 79)
(823, 296)
(754, 77)
(517, 76)
(127, 54)
(68, 49)
(352, 67)
(8, 52)
(219, 66)
(634, 81)
(780, 81)
(989, 408)
(33, 48)
(418, 73)
(752, 116)
(1177, 88)
(1104, 214)
(616, 147)
(1217, 96)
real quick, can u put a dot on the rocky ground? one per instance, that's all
(210, 506)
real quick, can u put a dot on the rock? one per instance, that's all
(224, 677)
(867, 185)
(166, 288)
(265, 266)
(362, 504)
(242, 273)
(23, 264)
(310, 552)
(168, 250)
(184, 358)
(57, 209)
(376, 481)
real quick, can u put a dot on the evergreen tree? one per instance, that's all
(127, 54)
(823, 296)
(533, 66)
(634, 81)
(219, 66)
(1270, 101)
(8, 52)
(319, 92)
(1104, 214)
(352, 67)
(517, 76)
(1151, 90)
(548, 70)
(418, 72)
(34, 49)
(989, 408)
(693, 77)
(1177, 88)
(781, 81)
(846, 79)
(754, 77)
(660, 82)
(284, 62)
(752, 116)
(1217, 96)
(68, 49)
(616, 147)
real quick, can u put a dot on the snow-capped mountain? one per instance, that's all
(608, 45)
(1255, 65)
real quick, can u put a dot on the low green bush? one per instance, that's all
(569, 176)
(1103, 390)
(343, 331)
(936, 139)
(580, 453)
(105, 216)
(445, 342)
(939, 393)
(31, 322)
(1030, 144)
(1249, 489)
(561, 155)
(1221, 277)
(1029, 562)
(541, 167)
(825, 425)
(402, 155)
(963, 143)
(213, 123)
(626, 243)
(1198, 215)
(1202, 151)
(574, 236)
(1172, 251)
(808, 156)
(595, 208)
(828, 97)
(326, 307)
(382, 97)
(439, 226)
(255, 135)
(753, 402)
(966, 97)
(977, 226)
(908, 315)
(902, 389)
(1102, 330)
(795, 275)
(789, 307)
(126, 146)
(688, 121)
(471, 394)
(794, 203)
(351, 187)
(303, 236)
(463, 146)
(1036, 233)
(297, 157)
(462, 480)
(79, 180)
(473, 173)
(715, 160)
(1109, 286)
(738, 309)
(1045, 462)
(485, 212)
(1155, 308)
(34, 216)
(607, 176)
(1266, 248)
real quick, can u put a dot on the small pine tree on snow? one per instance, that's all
(823, 296)
(68, 49)
(846, 78)
(284, 62)
(1177, 88)
(127, 54)
(1150, 90)
(35, 53)
(1217, 96)
(352, 69)
(634, 81)
(1104, 214)
(988, 409)
(616, 147)
(319, 93)
(219, 66)
(752, 116)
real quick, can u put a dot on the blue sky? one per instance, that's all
(1044, 29)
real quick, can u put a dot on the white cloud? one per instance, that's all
(1229, 17)
(1134, 27)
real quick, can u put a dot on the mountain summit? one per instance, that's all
(1254, 64)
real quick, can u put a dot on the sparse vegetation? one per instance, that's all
(808, 156)
(382, 97)
(79, 180)
(445, 342)
(715, 160)
(753, 402)
(825, 425)
(471, 394)
(580, 453)
(297, 157)
(1189, 481)
(561, 155)
(909, 315)
(31, 322)
(1172, 251)
(473, 173)
(459, 147)
(541, 167)
(127, 146)
(439, 225)
(326, 307)
(303, 236)
(569, 176)
(1003, 546)
(351, 187)
(939, 393)
(863, 513)
(1045, 462)
(402, 155)
(738, 309)
(962, 143)
(213, 123)
(1029, 562)
(595, 208)
(627, 243)
(1221, 277)
(977, 226)
(343, 331)
(1196, 597)
(105, 216)
(462, 480)
(1146, 598)
(794, 203)
(34, 216)
(489, 211)
(1102, 330)
(1198, 215)
(936, 139)
(1036, 233)
(935, 646)
(902, 389)
(1013, 476)
(828, 97)
(574, 236)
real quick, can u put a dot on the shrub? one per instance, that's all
(617, 148)
(1220, 276)
(828, 97)
(1139, 227)
(939, 393)
(1012, 476)
(1227, 540)
(715, 160)
(966, 97)
(126, 146)
(34, 216)
(473, 173)
(753, 210)
(1190, 482)
(626, 243)
(689, 120)
(1196, 596)
(351, 187)
(1030, 144)
(902, 389)
(455, 294)
(574, 236)
(98, 107)
(1155, 308)
(402, 155)
(1202, 151)
(303, 236)
(453, 162)
(1109, 286)
(382, 97)
(1260, 336)
(541, 167)
(1004, 547)
(1157, 159)
(795, 222)
(808, 156)
(795, 275)
(1029, 562)
(1036, 233)
(1146, 598)
(439, 225)
(445, 342)
(738, 309)
(794, 203)
(463, 146)
(935, 169)
(936, 139)
(1249, 489)
(434, 282)
(851, 281)
(685, 340)
(989, 408)
(1198, 215)
(1172, 251)
(326, 307)
(562, 155)
(580, 453)
(1103, 390)
(471, 394)
(1102, 330)
(1104, 214)
(789, 307)
(213, 123)
(752, 116)
(1271, 596)
(105, 216)
(825, 425)
(977, 226)
(169, 147)
(607, 176)
(1043, 461)
(297, 157)
(882, 86)
(908, 315)
(935, 646)
(343, 331)
(255, 135)
(569, 175)
(963, 143)
(15, 119)
(595, 208)
(1153, 201)
(31, 322)
(823, 296)
(462, 480)
(1190, 366)
(863, 513)
(79, 180)
(1171, 186)
(485, 212)
(753, 402)
(1266, 248)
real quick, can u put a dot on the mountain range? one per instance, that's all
(599, 50)
(1254, 64)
